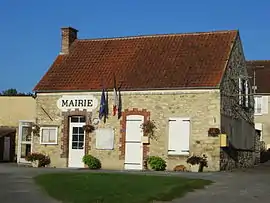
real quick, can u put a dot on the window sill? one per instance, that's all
(179, 154)
(49, 143)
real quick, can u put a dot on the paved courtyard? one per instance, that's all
(252, 185)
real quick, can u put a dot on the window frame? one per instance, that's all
(49, 128)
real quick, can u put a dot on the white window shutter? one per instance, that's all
(246, 93)
(255, 105)
(240, 90)
(179, 133)
(173, 134)
(265, 104)
(185, 133)
(258, 105)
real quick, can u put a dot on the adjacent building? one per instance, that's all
(15, 111)
(193, 86)
(259, 72)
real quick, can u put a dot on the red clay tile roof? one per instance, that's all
(262, 74)
(145, 62)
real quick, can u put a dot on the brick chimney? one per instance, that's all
(69, 35)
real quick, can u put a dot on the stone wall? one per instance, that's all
(236, 120)
(258, 147)
(201, 106)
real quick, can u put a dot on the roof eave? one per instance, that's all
(130, 89)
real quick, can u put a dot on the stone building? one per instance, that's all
(194, 86)
(259, 72)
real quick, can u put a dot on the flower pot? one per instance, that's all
(35, 164)
(195, 168)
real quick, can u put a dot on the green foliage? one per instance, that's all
(42, 158)
(10, 92)
(149, 129)
(91, 161)
(157, 163)
(14, 92)
(116, 187)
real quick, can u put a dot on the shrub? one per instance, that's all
(91, 161)
(157, 163)
(42, 158)
(265, 156)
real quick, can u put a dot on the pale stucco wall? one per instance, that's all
(201, 106)
(264, 119)
(15, 108)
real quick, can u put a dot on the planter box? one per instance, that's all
(145, 139)
(194, 168)
(35, 164)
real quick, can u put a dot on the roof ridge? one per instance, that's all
(160, 35)
(266, 60)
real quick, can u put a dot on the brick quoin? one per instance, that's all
(65, 131)
(127, 112)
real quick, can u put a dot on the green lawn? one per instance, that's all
(116, 188)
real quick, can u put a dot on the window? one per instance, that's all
(247, 92)
(259, 126)
(258, 106)
(244, 92)
(48, 135)
(77, 119)
(179, 132)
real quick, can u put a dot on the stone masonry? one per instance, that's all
(201, 106)
(237, 122)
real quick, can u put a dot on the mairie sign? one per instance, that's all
(72, 102)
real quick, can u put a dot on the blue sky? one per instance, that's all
(30, 29)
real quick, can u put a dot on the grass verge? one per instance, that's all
(116, 188)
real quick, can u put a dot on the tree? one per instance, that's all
(10, 92)
(14, 92)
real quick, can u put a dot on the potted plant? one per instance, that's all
(38, 159)
(213, 132)
(88, 128)
(194, 162)
(148, 128)
(197, 163)
(203, 163)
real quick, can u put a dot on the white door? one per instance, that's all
(76, 143)
(133, 144)
(24, 141)
(6, 155)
